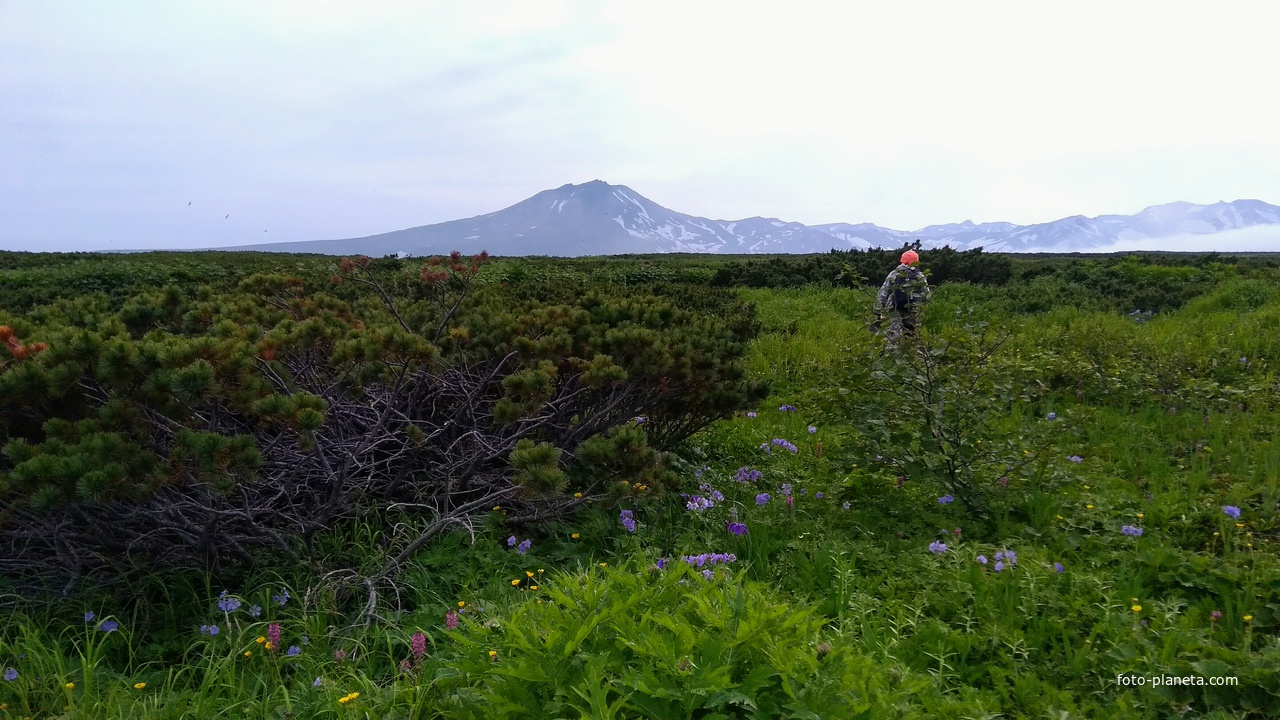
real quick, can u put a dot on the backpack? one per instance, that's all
(900, 300)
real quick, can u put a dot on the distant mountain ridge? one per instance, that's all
(597, 218)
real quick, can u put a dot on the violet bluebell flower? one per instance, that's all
(1131, 530)
(982, 559)
(751, 414)
(937, 547)
(999, 566)
(1231, 511)
(109, 626)
(662, 563)
(1075, 459)
(1053, 416)
(282, 598)
(1058, 567)
(89, 616)
(765, 447)
(736, 528)
(786, 489)
(762, 498)
(511, 541)
(10, 675)
(641, 419)
(819, 495)
(787, 408)
(628, 521)
(845, 506)
(293, 651)
(255, 610)
(708, 574)
(946, 499)
(813, 429)
(697, 503)
(524, 546)
(316, 683)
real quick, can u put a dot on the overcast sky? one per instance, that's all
(315, 120)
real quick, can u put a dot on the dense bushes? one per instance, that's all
(189, 427)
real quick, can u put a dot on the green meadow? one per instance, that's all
(1039, 508)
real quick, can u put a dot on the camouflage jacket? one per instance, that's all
(908, 279)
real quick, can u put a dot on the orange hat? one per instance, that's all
(910, 257)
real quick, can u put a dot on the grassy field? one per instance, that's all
(1102, 519)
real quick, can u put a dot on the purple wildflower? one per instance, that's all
(982, 559)
(627, 520)
(640, 419)
(1131, 530)
(524, 546)
(10, 675)
(746, 474)
(293, 651)
(813, 429)
(1000, 555)
(845, 506)
(316, 683)
(737, 528)
(1231, 511)
(1058, 567)
(937, 547)
(765, 447)
(1011, 557)
(88, 617)
(708, 574)
(762, 498)
(751, 414)
(786, 489)
(999, 565)
(1052, 416)
(819, 495)
(451, 620)
(1216, 615)
(787, 408)
(273, 635)
(282, 598)
(1243, 361)
(109, 626)
(511, 541)
(255, 610)
(662, 563)
(782, 443)
(946, 499)
(419, 644)
(339, 655)
(1075, 459)
(228, 604)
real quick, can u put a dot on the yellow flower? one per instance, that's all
(1239, 525)
(248, 653)
(354, 695)
(515, 582)
(71, 686)
(139, 686)
(1086, 487)
(1215, 534)
(533, 587)
(497, 507)
(1248, 618)
(577, 495)
(493, 654)
(1248, 545)
(462, 603)
(1136, 608)
(344, 700)
(1059, 517)
(540, 570)
(1140, 516)
(269, 646)
(1088, 507)
(260, 640)
(603, 564)
(574, 536)
(528, 574)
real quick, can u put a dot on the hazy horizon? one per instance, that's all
(190, 125)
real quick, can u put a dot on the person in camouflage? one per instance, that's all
(900, 299)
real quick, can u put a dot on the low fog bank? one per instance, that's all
(1259, 238)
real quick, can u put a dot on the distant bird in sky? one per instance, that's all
(188, 202)
(227, 216)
